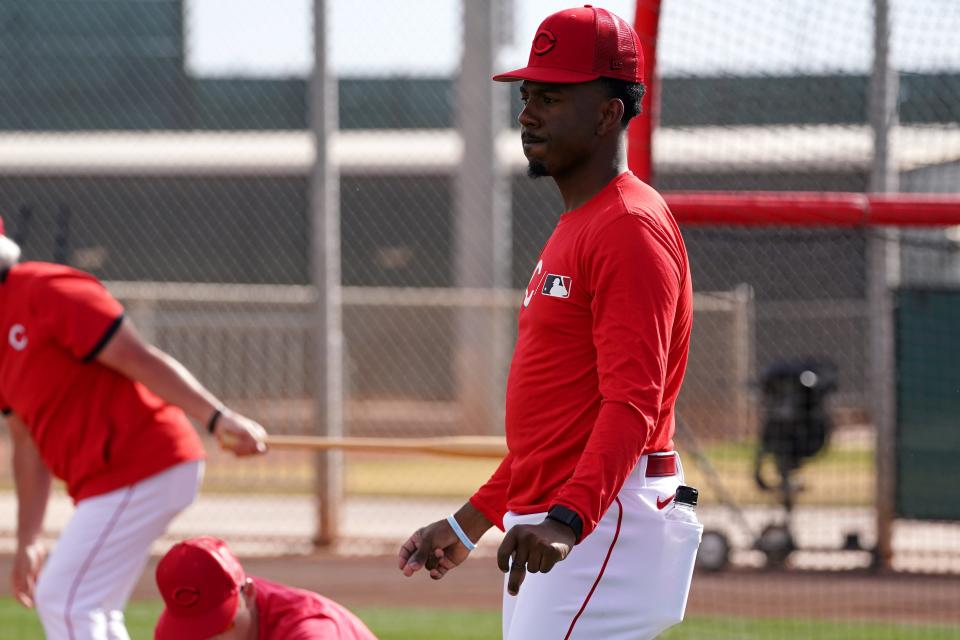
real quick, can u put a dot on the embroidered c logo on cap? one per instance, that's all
(186, 596)
(544, 42)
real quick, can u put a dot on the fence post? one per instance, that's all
(325, 273)
(744, 321)
(883, 268)
(482, 224)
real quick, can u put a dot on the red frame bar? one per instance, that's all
(931, 210)
(813, 209)
(640, 132)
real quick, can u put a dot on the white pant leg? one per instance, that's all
(628, 580)
(85, 583)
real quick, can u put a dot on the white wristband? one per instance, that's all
(460, 533)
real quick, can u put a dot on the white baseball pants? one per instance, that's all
(628, 580)
(85, 583)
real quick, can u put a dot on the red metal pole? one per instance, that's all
(640, 133)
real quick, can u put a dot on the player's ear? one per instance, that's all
(611, 113)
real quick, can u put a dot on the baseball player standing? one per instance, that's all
(601, 351)
(89, 402)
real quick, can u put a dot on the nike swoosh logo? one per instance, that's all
(662, 503)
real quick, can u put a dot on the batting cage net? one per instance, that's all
(334, 229)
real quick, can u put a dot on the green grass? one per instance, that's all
(17, 623)
(431, 624)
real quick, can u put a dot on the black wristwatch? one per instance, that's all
(568, 517)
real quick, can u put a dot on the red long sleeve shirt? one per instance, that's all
(602, 342)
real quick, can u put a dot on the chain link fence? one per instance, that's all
(165, 147)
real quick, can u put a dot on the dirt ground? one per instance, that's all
(374, 581)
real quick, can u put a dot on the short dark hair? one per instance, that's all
(629, 93)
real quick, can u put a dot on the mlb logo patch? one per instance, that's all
(557, 286)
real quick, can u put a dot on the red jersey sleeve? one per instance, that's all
(491, 498)
(635, 283)
(76, 311)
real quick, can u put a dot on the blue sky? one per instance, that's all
(421, 37)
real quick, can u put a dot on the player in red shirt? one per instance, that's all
(208, 596)
(89, 402)
(603, 334)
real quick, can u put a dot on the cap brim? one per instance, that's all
(546, 74)
(200, 627)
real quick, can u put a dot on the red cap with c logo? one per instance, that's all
(200, 581)
(581, 45)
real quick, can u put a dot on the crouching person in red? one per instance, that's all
(209, 597)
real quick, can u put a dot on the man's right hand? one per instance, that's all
(437, 548)
(27, 563)
(240, 435)
(434, 547)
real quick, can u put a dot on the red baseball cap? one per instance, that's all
(200, 582)
(581, 45)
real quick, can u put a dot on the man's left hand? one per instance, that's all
(535, 548)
